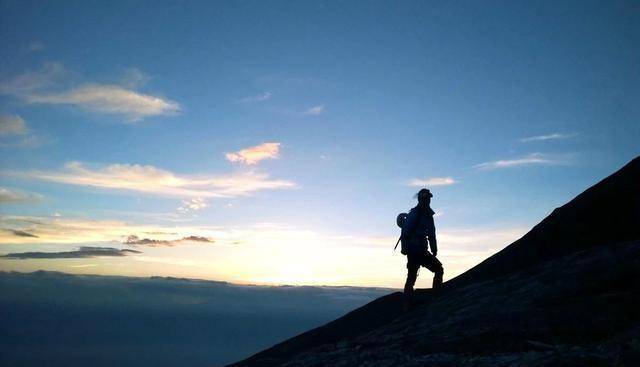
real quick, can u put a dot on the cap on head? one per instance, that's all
(424, 194)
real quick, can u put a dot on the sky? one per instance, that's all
(275, 142)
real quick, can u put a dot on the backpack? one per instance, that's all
(401, 220)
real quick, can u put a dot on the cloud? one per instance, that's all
(241, 250)
(255, 154)
(14, 133)
(28, 142)
(155, 181)
(20, 233)
(68, 230)
(197, 239)
(134, 78)
(50, 74)
(433, 181)
(314, 111)
(134, 240)
(43, 87)
(532, 159)
(81, 253)
(17, 196)
(192, 205)
(12, 125)
(554, 136)
(111, 99)
(257, 98)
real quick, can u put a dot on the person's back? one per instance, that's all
(418, 235)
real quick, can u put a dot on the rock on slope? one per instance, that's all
(566, 293)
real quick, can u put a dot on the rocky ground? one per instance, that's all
(579, 310)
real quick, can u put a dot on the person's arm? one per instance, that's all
(433, 242)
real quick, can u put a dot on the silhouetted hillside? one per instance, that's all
(566, 293)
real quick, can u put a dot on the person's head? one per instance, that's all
(424, 196)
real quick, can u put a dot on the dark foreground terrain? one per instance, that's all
(56, 319)
(565, 294)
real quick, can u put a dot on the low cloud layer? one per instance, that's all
(155, 181)
(255, 154)
(81, 253)
(433, 181)
(135, 310)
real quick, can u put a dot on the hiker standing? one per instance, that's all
(418, 234)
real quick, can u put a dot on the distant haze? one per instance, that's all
(54, 319)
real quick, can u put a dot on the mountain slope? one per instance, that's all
(566, 292)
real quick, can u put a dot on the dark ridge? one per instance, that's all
(606, 213)
(601, 217)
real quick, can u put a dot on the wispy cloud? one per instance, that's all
(48, 75)
(134, 78)
(314, 111)
(533, 159)
(14, 133)
(554, 136)
(137, 241)
(257, 98)
(193, 205)
(70, 230)
(433, 181)
(155, 181)
(12, 125)
(81, 253)
(111, 99)
(255, 154)
(17, 196)
(19, 233)
(44, 87)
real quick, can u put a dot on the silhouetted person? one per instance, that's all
(418, 234)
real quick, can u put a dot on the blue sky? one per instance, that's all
(287, 129)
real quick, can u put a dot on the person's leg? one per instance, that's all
(432, 263)
(412, 275)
